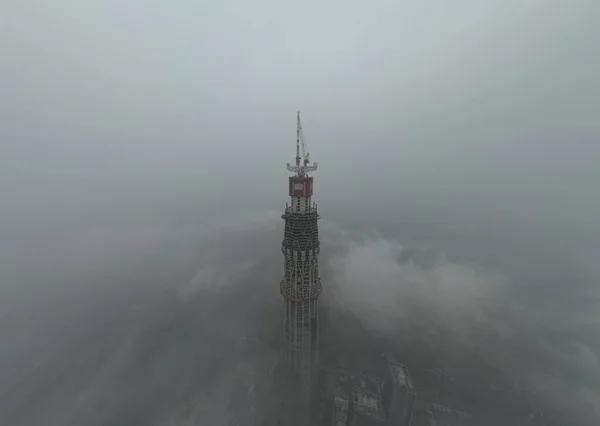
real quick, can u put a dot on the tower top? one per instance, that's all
(301, 168)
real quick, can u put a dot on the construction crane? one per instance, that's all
(301, 168)
(302, 142)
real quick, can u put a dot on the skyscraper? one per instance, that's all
(301, 284)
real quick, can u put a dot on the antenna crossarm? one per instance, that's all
(302, 169)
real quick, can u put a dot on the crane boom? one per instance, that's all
(298, 132)
(305, 153)
(301, 169)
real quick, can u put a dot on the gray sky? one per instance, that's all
(129, 127)
(469, 108)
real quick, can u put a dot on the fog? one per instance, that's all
(142, 172)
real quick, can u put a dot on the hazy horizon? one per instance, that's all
(142, 163)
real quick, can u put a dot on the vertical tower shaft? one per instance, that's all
(301, 285)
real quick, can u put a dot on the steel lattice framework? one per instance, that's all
(301, 285)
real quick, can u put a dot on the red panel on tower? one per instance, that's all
(301, 186)
(309, 187)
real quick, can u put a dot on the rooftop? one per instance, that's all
(368, 405)
(366, 397)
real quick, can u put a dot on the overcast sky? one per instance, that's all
(485, 110)
(128, 125)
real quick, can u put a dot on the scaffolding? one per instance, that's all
(300, 288)
(301, 285)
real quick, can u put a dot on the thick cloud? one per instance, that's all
(141, 146)
(381, 280)
(199, 315)
(542, 339)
